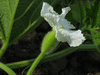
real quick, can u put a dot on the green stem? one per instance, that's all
(3, 49)
(25, 69)
(35, 63)
(7, 69)
(84, 47)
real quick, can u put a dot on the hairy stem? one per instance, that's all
(35, 63)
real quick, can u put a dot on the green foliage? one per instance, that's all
(75, 12)
(96, 37)
(27, 18)
(8, 9)
(98, 18)
(92, 20)
(1, 29)
(67, 2)
(82, 13)
(91, 13)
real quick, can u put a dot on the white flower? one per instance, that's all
(62, 26)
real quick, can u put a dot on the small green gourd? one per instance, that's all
(49, 42)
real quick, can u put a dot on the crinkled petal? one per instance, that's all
(73, 38)
(66, 24)
(49, 14)
(46, 8)
(65, 11)
(53, 18)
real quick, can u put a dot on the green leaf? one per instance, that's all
(91, 13)
(27, 17)
(8, 9)
(74, 15)
(96, 37)
(82, 12)
(75, 12)
(98, 19)
(92, 20)
(67, 2)
(1, 30)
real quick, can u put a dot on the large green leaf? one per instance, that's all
(27, 17)
(8, 9)
(74, 15)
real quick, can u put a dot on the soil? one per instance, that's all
(76, 63)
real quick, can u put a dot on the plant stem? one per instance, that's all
(7, 69)
(3, 49)
(84, 47)
(35, 63)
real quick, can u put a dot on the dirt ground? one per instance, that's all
(77, 63)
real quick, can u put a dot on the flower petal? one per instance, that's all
(46, 8)
(74, 38)
(65, 11)
(53, 18)
(49, 14)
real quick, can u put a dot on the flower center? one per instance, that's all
(62, 27)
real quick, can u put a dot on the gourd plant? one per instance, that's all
(18, 18)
